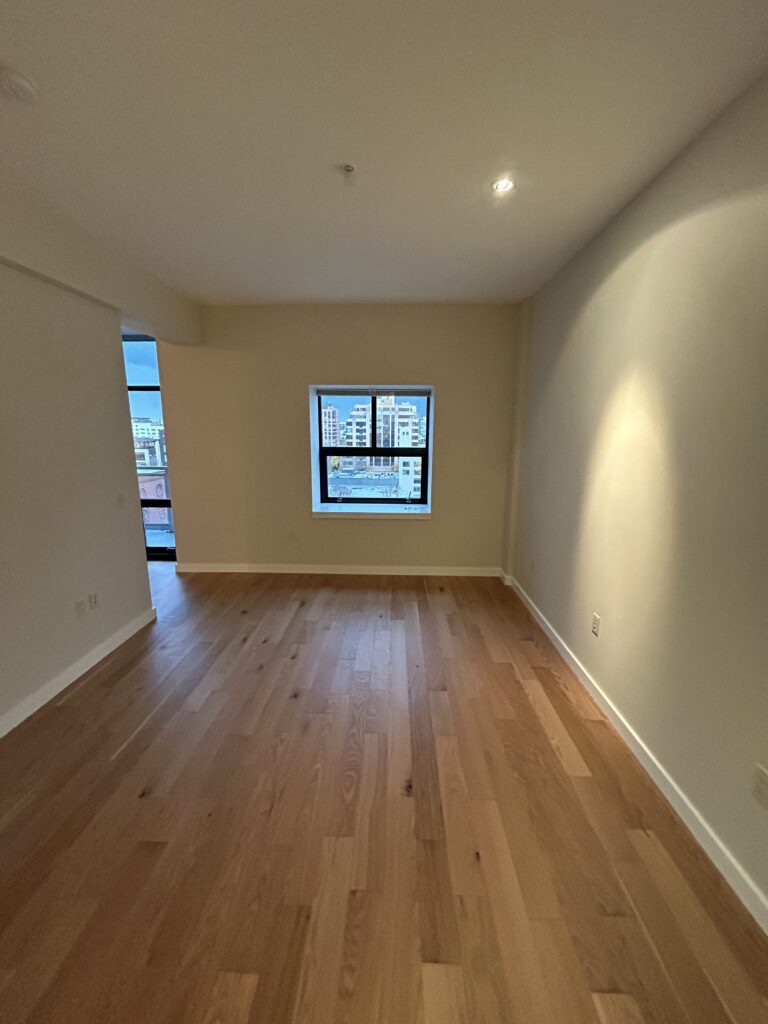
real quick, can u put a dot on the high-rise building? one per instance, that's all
(358, 426)
(331, 423)
(397, 426)
(356, 432)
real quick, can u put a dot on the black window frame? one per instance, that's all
(373, 450)
(155, 553)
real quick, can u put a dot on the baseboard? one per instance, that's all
(341, 570)
(26, 707)
(747, 890)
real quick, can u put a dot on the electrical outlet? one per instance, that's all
(760, 785)
(595, 623)
(93, 601)
(80, 607)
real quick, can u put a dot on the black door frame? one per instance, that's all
(154, 553)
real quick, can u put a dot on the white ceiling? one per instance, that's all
(200, 137)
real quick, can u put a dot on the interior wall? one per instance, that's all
(520, 383)
(644, 490)
(38, 238)
(69, 515)
(238, 431)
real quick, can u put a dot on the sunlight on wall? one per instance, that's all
(626, 532)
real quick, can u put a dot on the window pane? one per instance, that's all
(401, 421)
(148, 429)
(346, 420)
(153, 483)
(158, 527)
(353, 478)
(141, 362)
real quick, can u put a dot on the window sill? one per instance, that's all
(334, 511)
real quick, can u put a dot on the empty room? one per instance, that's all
(384, 512)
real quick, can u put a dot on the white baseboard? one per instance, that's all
(745, 887)
(341, 570)
(15, 716)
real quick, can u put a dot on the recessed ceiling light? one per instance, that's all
(502, 185)
(15, 86)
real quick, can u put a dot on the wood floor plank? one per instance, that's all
(275, 996)
(484, 976)
(321, 962)
(359, 990)
(437, 920)
(445, 1001)
(461, 843)
(350, 800)
(687, 975)
(558, 736)
(369, 835)
(231, 999)
(615, 1008)
(731, 982)
(567, 987)
(400, 964)
(526, 986)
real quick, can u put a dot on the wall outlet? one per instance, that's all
(595, 623)
(80, 607)
(93, 601)
(760, 785)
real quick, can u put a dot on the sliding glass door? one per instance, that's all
(145, 399)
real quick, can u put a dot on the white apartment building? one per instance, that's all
(143, 426)
(331, 425)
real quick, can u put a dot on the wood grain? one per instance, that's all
(350, 800)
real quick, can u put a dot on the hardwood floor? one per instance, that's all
(336, 799)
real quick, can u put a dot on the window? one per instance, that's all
(143, 378)
(371, 449)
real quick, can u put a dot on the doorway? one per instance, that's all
(142, 375)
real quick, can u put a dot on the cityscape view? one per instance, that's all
(401, 422)
(149, 449)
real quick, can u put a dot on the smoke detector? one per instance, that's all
(15, 86)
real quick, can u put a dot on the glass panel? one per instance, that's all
(158, 527)
(153, 483)
(351, 477)
(401, 421)
(346, 420)
(148, 429)
(141, 362)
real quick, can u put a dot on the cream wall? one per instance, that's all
(38, 238)
(238, 431)
(69, 516)
(644, 481)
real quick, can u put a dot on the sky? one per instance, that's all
(141, 368)
(141, 362)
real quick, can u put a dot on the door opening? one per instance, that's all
(144, 396)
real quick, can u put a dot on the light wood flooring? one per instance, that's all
(373, 800)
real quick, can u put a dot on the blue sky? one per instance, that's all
(146, 403)
(141, 362)
(141, 368)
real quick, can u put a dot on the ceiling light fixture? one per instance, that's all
(15, 86)
(502, 185)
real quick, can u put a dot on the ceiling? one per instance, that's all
(201, 139)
